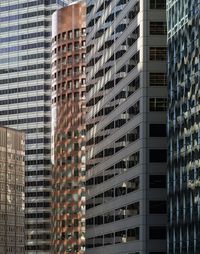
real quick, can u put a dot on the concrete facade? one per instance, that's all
(126, 101)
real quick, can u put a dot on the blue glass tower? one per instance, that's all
(183, 126)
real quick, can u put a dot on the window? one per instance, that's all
(76, 222)
(76, 46)
(158, 79)
(69, 59)
(76, 33)
(83, 43)
(69, 72)
(76, 146)
(158, 104)
(120, 236)
(76, 83)
(69, 84)
(64, 36)
(69, 47)
(99, 220)
(157, 207)
(133, 209)
(83, 56)
(158, 54)
(64, 48)
(133, 234)
(69, 34)
(157, 232)
(133, 13)
(83, 31)
(98, 241)
(76, 96)
(108, 239)
(83, 82)
(83, 95)
(158, 28)
(76, 71)
(76, 58)
(83, 69)
(76, 247)
(157, 130)
(158, 155)
(89, 243)
(64, 60)
(158, 4)
(157, 181)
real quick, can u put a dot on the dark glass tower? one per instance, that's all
(25, 100)
(184, 128)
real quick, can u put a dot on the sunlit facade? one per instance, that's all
(126, 102)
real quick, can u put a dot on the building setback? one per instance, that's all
(126, 106)
(12, 199)
(25, 101)
(68, 123)
(183, 127)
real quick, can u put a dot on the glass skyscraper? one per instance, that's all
(25, 100)
(183, 126)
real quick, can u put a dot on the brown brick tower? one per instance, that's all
(68, 125)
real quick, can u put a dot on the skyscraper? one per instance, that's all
(126, 127)
(12, 183)
(25, 100)
(184, 131)
(68, 118)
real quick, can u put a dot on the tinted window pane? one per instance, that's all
(158, 155)
(157, 130)
(157, 207)
(157, 181)
(157, 233)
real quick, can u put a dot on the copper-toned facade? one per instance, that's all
(12, 200)
(68, 125)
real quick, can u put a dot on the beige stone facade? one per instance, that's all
(11, 191)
